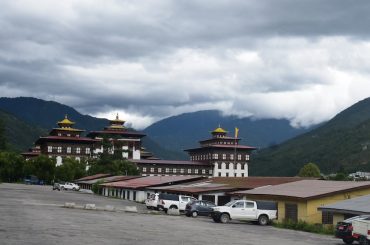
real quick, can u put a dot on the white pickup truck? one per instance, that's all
(261, 211)
(361, 231)
(173, 201)
(69, 186)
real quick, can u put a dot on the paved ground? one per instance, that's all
(32, 215)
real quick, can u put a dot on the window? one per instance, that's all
(291, 212)
(210, 171)
(215, 156)
(327, 218)
(196, 171)
(159, 170)
(242, 166)
(78, 150)
(182, 170)
(167, 170)
(249, 205)
(87, 150)
(144, 169)
(203, 171)
(69, 149)
(59, 149)
(219, 174)
(231, 156)
(226, 166)
(174, 170)
(242, 174)
(239, 157)
(227, 174)
(50, 149)
(223, 156)
(238, 205)
(189, 171)
(247, 157)
(59, 134)
(151, 170)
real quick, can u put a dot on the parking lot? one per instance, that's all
(33, 215)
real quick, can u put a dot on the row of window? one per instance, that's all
(176, 170)
(69, 135)
(216, 156)
(235, 174)
(59, 149)
(227, 166)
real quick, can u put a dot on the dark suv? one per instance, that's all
(200, 207)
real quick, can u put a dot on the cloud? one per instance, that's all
(300, 60)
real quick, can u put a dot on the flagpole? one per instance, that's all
(236, 135)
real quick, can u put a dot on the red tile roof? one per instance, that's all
(95, 176)
(65, 138)
(120, 132)
(307, 189)
(227, 184)
(150, 181)
(243, 147)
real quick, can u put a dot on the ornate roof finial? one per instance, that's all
(66, 116)
(117, 117)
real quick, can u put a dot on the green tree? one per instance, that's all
(70, 170)
(110, 164)
(42, 166)
(309, 170)
(11, 167)
(96, 188)
(3, 141)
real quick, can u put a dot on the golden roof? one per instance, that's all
(66, 121)
(219, 130)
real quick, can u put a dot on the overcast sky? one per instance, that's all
(300, 60)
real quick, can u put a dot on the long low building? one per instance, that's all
(348, 208)
(87, 184)
(300, 200)
(137, 189)
(220, 189)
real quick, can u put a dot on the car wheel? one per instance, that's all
(73, 188)
(348, 241)
(224, 218)
(217, 220)
(363, 241)
(62, 188)
(194, 214)
(263, 220)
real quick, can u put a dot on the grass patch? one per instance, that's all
(304, 226)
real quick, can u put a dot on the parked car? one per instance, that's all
(32, 180)
(173, 201)
(261, 211)
(56, 186)
(343, 229)
(361, 231)
(152, 201)
(69, 186)
(200, 207)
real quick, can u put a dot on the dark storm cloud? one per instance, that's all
(166, 57)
